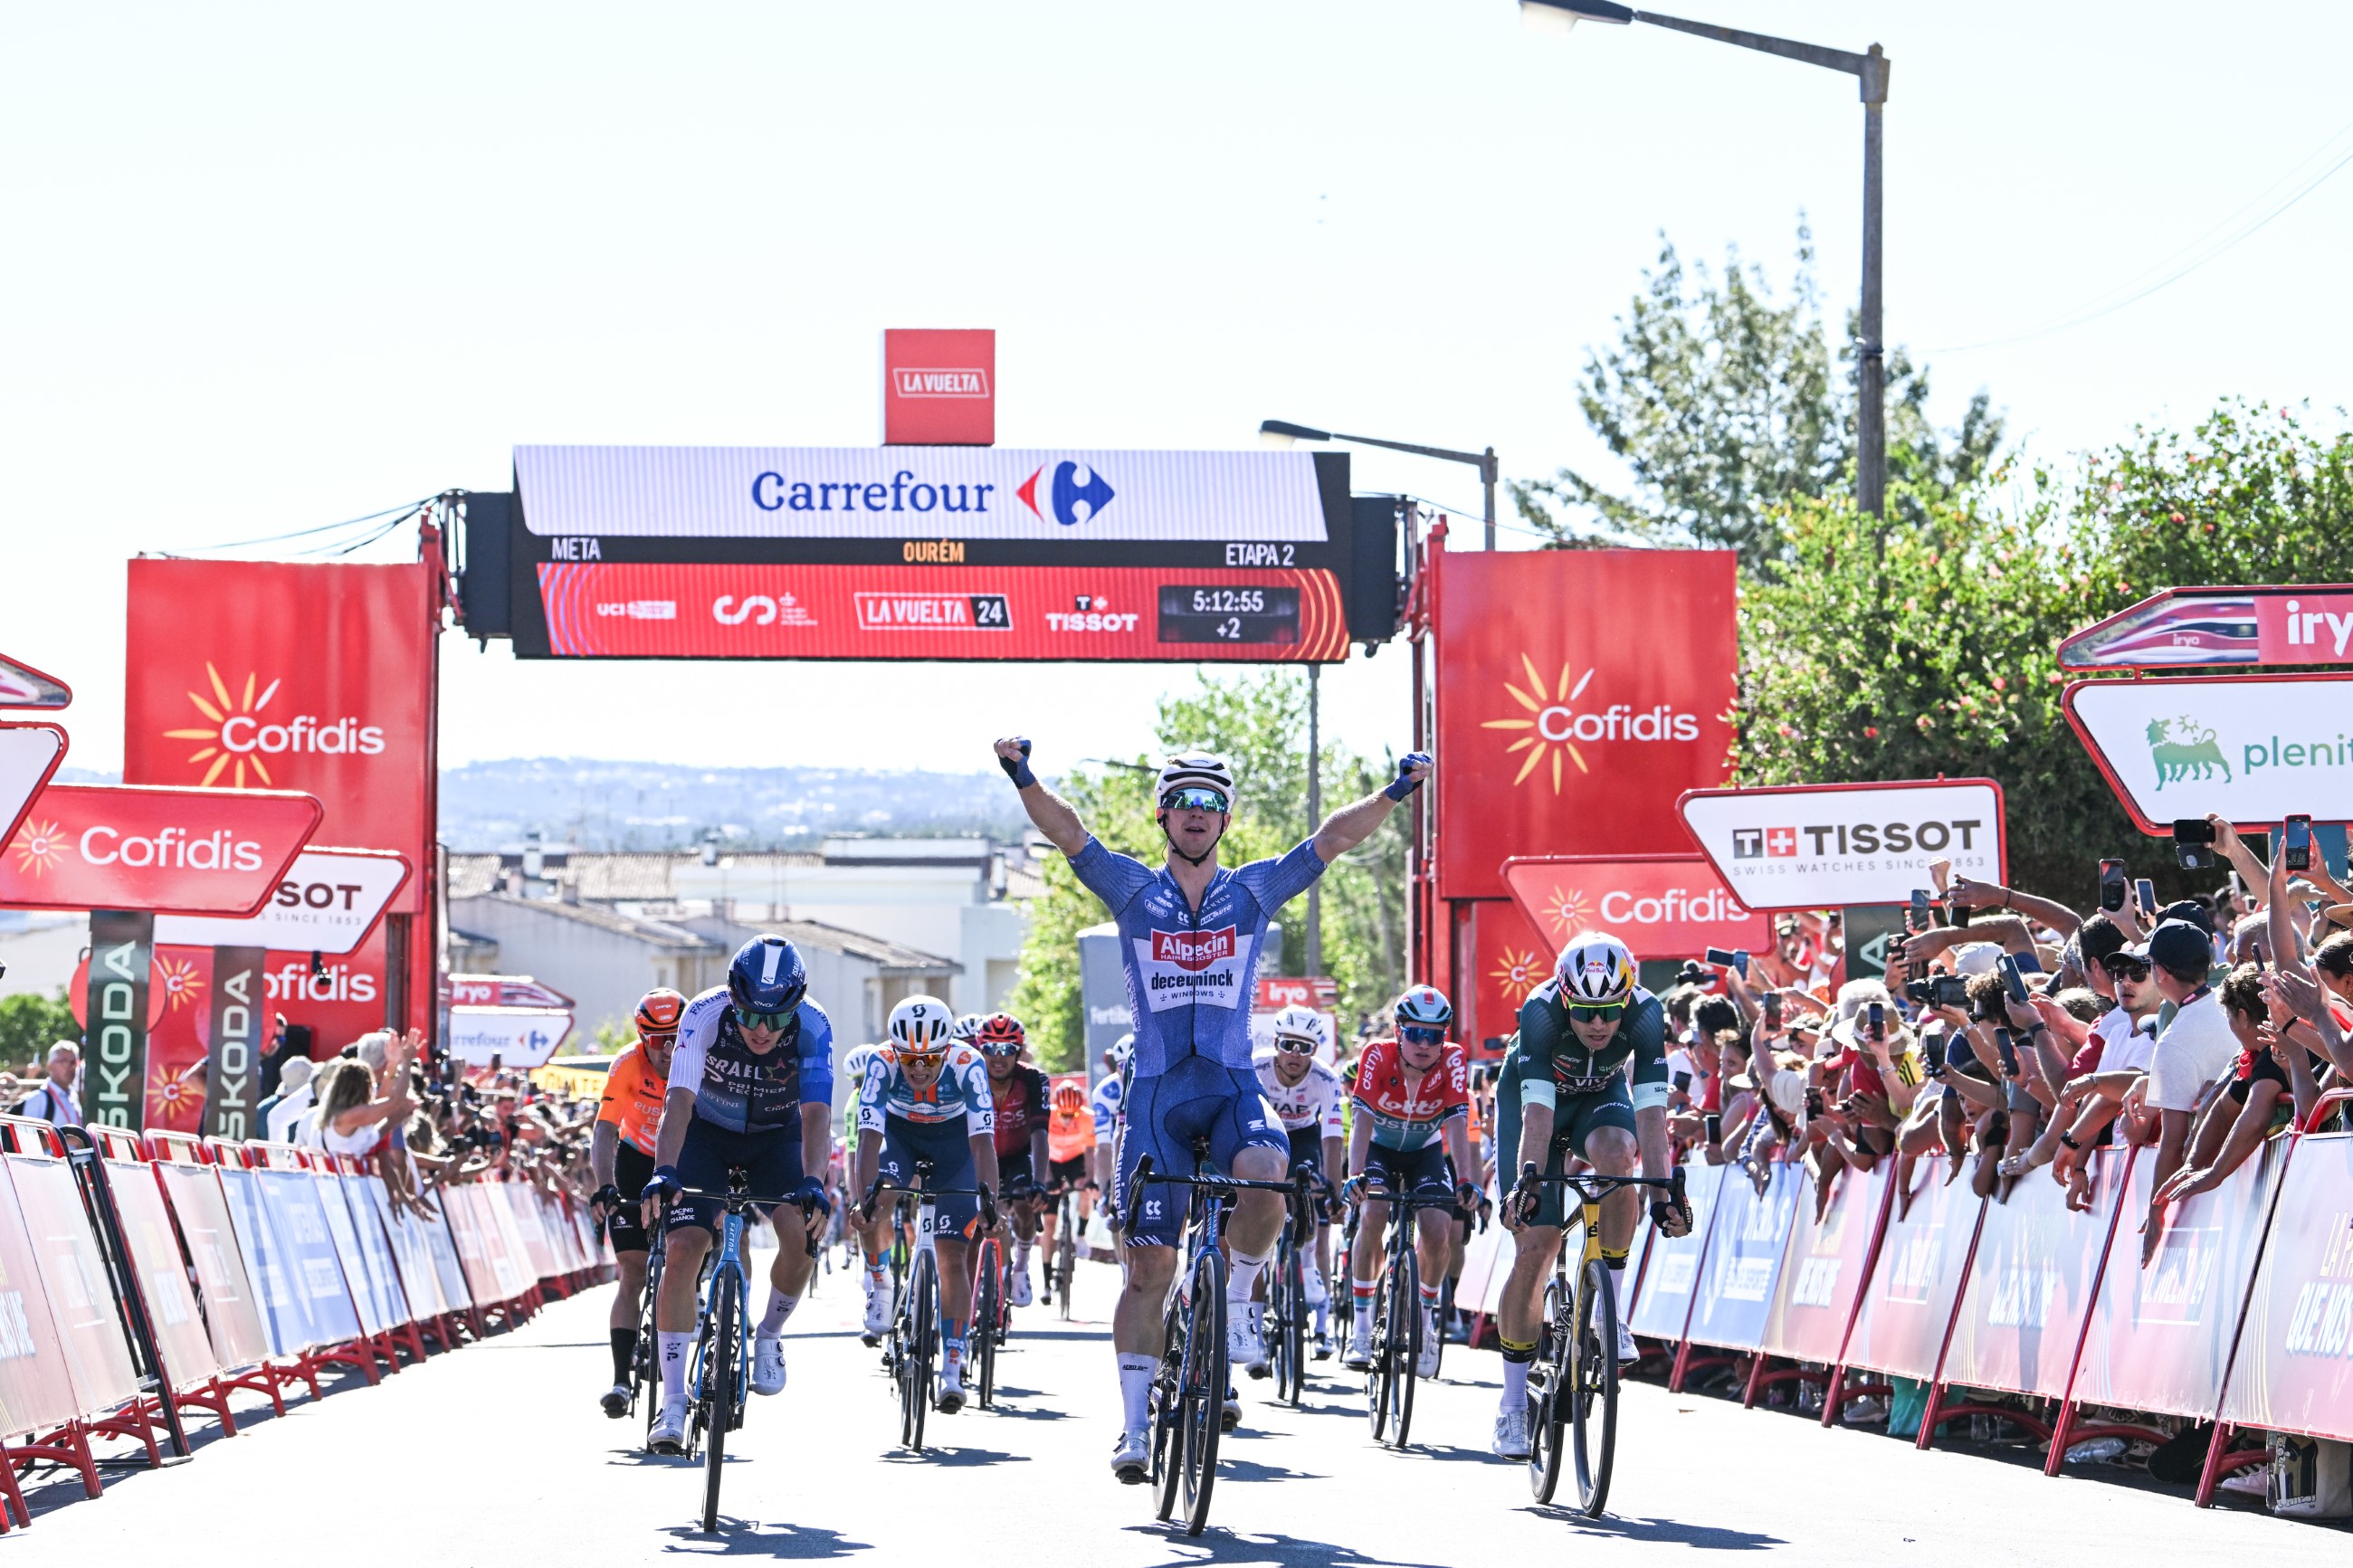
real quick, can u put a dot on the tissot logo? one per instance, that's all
(1843, 838)
(907, 383)
(1193, 950)
(245, 733)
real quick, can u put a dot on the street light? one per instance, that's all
(1282, 433)
(1871, 70)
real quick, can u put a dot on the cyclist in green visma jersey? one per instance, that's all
(1590, 1072)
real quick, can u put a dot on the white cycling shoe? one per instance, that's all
(1511, 1441)
(1628, 1350)
(1131, 1458)
(950, 1398)
(877, 1313)
(1360, 1344)
(767, 1366)
(1426, 1363)
(668, 1434)
(615, 1400)
(1018, 1289)
(1246, 1338)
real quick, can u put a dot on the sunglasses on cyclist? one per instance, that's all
(1294, 1045)
(1422, 1035)
(1001, 1047)
(1609, 1013)
(752, 1020)
(1193, 797)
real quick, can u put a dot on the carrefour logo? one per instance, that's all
(1065, 496)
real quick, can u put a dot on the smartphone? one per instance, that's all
(1962, 913)
(1772, 1009)
(1813, 1102)
(2012, 980)
(1932, 1045)
(1715, 1129)
(2145, 898)
(2009, 1049)
(2192, 837)
(2255, 946)
(1729, 958)
(1917, 918)
(1683, 1083)
(2112, 885)
(1877, 1026)
(2295, 843)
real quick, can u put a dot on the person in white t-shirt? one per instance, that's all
(350, 1117)
(2195, 1049)
(52, 1100)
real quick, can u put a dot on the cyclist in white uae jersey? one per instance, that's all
(1310, 1100)
(1189, 943)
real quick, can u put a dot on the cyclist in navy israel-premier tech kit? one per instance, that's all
(1190, 939)
(751, 1085)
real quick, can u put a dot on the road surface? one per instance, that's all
(496, 1455)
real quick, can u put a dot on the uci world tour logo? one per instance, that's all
(2182, 749)
(1066, 499)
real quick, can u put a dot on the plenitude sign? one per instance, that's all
(1659, 906)
(29, 755)
(327, 903)
(177, 851)
(2254, 749)
(1812, 847)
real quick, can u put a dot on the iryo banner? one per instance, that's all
(1580, 692)
(1821, 847)
(1659, 906)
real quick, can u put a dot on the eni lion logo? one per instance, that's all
(2182, 749)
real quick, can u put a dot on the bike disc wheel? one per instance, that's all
(1594, 1407)
(1546, 1414)
(1207, 1376)
(721, 1372)
(1405, 1347)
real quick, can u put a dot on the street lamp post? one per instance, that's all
(1282, 433)
(1870, 68)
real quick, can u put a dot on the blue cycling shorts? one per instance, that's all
(947, 1145)
(1197, 1098)
(771, 1164)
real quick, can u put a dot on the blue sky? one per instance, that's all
(274, 266)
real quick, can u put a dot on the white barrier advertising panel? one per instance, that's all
(512, 1037)
(1815, 846)
(328, 902)
(2254, 749)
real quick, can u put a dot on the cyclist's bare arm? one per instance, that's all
(677, 1110)
(1458, 1148)
(604, 1142)
(1344, 828)
(869, 1155)
(1651, 1136)
(1053, 814)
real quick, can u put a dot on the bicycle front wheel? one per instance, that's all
(1405, 1342)
(721, 1370)
(1594, 1407)
(923, 1348)
(1548, 1380)
(987, 1317)
(1207, 1376)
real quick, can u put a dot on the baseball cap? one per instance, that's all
(2196, 912)
(1976, 957)
(2177, 945)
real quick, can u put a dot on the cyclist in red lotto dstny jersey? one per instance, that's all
(1018, 1090)
(1190, 939)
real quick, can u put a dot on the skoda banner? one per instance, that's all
(114, 1076)
(1819, 847)
(2254, 748)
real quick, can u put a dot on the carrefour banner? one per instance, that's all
(900, 492)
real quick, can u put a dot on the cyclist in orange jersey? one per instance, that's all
(621, 1158)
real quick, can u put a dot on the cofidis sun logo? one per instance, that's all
(1560, 723)
(1565, 910)
(1516, 974)
(246, 733)
(39, 846)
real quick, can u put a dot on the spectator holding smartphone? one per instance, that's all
(2193, 1048)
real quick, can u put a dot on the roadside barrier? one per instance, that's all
(144, 1279)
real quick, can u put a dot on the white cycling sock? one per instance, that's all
(1244, 1278)
(1135, 1390)
(1618, 1287)
(1324, 1316)
(1021, 1252)
(674, 1351)
(780, 1306)
(1516, 1386)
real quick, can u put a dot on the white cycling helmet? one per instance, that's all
(1121, 1050)
(1304, 1024)
(1595, 971)
(1424, 1006)
(966, 1028)
(922, 1025)
(1188, 769)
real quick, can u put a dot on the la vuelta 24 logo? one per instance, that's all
(246, 730)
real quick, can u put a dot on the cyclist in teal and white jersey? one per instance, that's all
(1190, 935)
(872, 1240)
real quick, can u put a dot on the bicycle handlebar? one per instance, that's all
(1599, 1185)
(736, 1201)
(988, 1199)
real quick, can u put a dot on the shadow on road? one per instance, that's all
(1666, 1531)
(743, 1538)
(1216, 1545)
(954, 1458)
(1232, 1470)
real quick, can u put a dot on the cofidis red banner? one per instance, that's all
(177, 851)
(1659, 906)
(1579, 693)
(273, 675)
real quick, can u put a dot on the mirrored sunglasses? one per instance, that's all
(1294, 1045)
(1193, 797)
(1422, 1035)
(752, 1020)
(2119, 967)
(1609, 1014)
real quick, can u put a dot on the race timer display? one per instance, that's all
(1195, 613)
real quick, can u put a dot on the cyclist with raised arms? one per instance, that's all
(1018, 1091)
(1410, 1132)
(751, 1086)
(926, 1097)
(621, 1160)
(1308, 1101)
(1190, 934)
(1591, 1067)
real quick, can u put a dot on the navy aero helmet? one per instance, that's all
(766, 977)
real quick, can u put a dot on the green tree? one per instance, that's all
(1258, 721)
(30, 1023)
(1728, 404)
(1937, 655)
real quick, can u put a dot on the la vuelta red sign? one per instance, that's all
(1579, 693)
(270, 675)
(1661, 905)
(170, 851)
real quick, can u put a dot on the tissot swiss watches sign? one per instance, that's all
(1815, 846)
